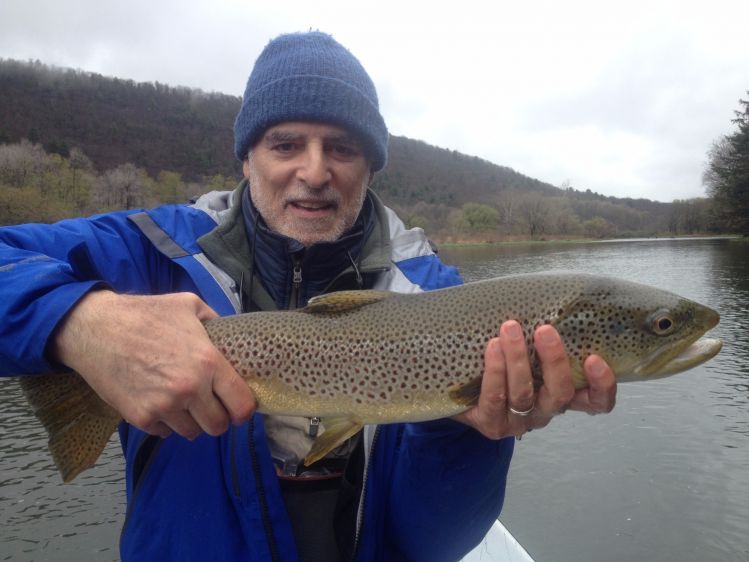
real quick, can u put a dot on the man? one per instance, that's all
(121, 297)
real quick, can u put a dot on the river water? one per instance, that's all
(664, 477)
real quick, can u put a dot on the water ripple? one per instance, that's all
(43, 518)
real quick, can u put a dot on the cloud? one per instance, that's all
(622, 99)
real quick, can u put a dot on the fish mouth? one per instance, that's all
(689, 357)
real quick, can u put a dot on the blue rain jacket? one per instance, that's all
(432, 490)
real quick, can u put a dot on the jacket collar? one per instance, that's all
(262, 262)
(293, 274)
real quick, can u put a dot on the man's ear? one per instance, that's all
(371, 178)
(246, 167)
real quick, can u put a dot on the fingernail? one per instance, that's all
(547, 336)
(597, 368)
(494, 346)
(513, 330)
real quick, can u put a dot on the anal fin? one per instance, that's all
(337, 431)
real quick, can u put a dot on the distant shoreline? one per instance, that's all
(519, 240)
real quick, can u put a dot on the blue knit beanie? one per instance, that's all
(310, 77)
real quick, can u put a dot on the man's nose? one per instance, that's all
(315, 168)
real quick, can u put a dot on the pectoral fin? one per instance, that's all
(343, 301)
(337, 431)
(466, 394)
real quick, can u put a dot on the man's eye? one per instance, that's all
(345, 150)
(284, 147)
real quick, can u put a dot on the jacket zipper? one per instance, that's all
(360, 515)
(262, 500)
(296, 283)
(150, 446)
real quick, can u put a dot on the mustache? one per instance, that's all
(324, 196)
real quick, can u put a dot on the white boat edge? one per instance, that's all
(498, 545)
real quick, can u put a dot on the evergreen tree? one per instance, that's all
(727, 174)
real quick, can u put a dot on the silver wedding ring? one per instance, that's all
(522, 413)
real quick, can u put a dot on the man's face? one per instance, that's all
(308, 180)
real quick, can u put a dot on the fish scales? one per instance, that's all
(397, 358)
(359, 357)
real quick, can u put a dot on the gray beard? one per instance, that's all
(306, 231)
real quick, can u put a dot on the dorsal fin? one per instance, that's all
(344, 301)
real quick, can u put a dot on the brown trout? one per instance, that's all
(369, 357)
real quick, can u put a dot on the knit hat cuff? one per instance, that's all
(317, 99)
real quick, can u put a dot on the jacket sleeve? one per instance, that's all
(46, 269)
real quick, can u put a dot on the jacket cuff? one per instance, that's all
(33, 356)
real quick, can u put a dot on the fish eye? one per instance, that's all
(663, 324)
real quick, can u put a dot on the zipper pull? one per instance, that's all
(296, 283)
(314, 426)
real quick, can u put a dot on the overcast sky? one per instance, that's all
(623, 98)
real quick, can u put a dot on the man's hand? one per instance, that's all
(150, 358)
(508, 385)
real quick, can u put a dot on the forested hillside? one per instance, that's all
(153, 126)
(73, 142)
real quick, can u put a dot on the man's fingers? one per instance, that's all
(159, 429)
(234, 394)
(493, 397)
(222, 398)
(210, 410)
(210, 415)
(509, 403)
(600, 396)
(181, 423)
(557, 390)
(184, 424)
(519, 378)
(489, 416)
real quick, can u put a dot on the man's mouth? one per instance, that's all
(313, 207)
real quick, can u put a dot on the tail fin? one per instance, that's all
(78, 422)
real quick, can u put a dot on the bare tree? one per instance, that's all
(23, 164)
(507, 204)
(533, 212)
(122, 188)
